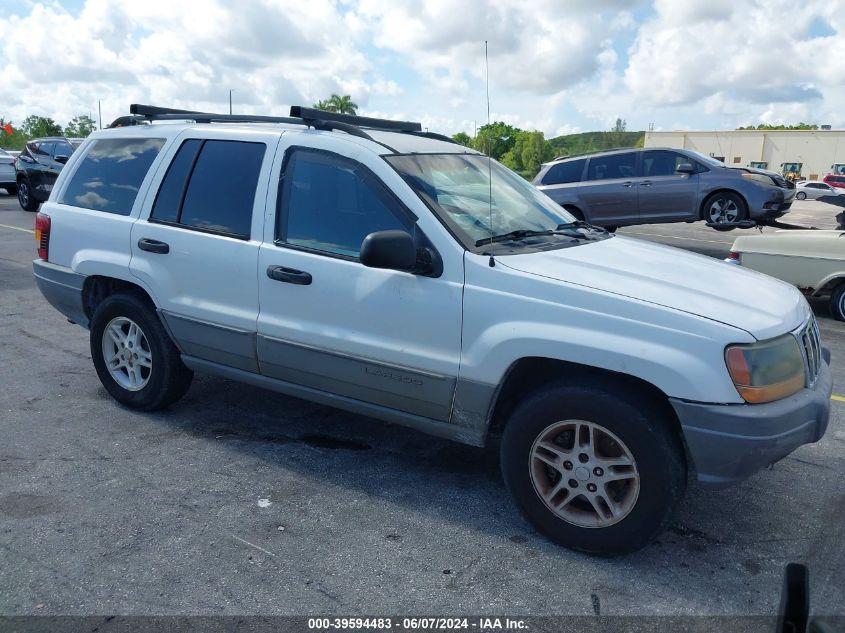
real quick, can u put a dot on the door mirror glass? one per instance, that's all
(685, 168)
(61, 158)
(394, 250)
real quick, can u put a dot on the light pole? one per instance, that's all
(230, 101)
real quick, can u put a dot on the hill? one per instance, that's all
(594, 142)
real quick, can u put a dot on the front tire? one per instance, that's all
(724, 207)
(801, 195)
(134, 357)
(596, 469)
(25, 197)
(837, 302)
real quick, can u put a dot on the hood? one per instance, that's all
(761, 305)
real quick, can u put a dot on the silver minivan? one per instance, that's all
(645, 186)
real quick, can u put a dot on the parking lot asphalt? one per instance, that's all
(242, 501)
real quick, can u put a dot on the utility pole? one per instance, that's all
(100, 116)
(230, 101)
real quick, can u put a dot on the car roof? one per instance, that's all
(382, 142)
(608, 152)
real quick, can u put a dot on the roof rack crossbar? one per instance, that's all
(358, 121)
(435, 136)
(595, 151)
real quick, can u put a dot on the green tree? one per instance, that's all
(781, 126)
(495, 139)
(533, 151)
(34, 126)
(16, 140)
(80, 126)
(337, 103)
(463, 138)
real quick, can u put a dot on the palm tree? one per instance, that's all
(336, 103)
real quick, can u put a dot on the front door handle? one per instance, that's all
(628, 184)
(153, 246)
(645, 183)
(289, 275)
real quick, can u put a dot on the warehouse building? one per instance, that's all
(807, 154)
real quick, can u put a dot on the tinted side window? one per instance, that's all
(45, 150)
(62, 149)
(330, 203)
(612, 166)
(662, 163)
(562, 173)
(221, 191)
(169, 197)
(109, 176)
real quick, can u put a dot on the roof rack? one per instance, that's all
(299, 115)
(595, 151)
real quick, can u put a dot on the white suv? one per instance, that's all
(369, 266)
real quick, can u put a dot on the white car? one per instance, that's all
(7, 172)
(364, 264)
(813, 190)
(813, 261)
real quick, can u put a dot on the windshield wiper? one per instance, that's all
(512, 235)
(579, 224)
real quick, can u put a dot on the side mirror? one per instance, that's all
(394, 250)
(61, 158)
(685, 168)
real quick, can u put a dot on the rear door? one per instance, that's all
(609, 189)
(196, 243)
(666, 195)
(40, 179)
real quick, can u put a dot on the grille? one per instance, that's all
(812, 349)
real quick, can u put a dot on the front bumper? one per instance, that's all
(730, 442)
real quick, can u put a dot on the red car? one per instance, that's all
(835, 180)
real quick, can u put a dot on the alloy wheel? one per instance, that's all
(584, 473)
(723, 211)
(23, 194)
(127, 354)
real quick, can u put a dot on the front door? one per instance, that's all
(665, 194)
(326, 321)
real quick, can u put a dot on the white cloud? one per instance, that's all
(555, 65)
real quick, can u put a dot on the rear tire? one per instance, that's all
(837, 302)
(25, 198)
(800, 196)
(134, 357)
(584, 509)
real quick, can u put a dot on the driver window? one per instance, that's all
(329, 203)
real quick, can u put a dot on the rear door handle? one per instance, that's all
(645, 183)
(628, 184)
(153, 246)
(289, 275)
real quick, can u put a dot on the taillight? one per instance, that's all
(42, 234)
(735, 256)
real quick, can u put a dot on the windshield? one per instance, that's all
(707, 160)
(458, 188)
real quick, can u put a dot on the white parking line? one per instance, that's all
(17, 228)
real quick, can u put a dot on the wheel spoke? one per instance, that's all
(618, 477)
(144, 359)
(551, 494)
(116, 335)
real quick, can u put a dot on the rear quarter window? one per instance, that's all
(110, 174)
(563, 173)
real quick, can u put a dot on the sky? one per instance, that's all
(559, 66)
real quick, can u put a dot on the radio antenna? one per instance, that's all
(489, 150)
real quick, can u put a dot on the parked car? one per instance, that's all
(38, 166)
(7, 173)
(814, 190)
(399, 275)
(814, 261)
(644, 186)
(834, 180)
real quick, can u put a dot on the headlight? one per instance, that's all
(768, 370)
(760, 178)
